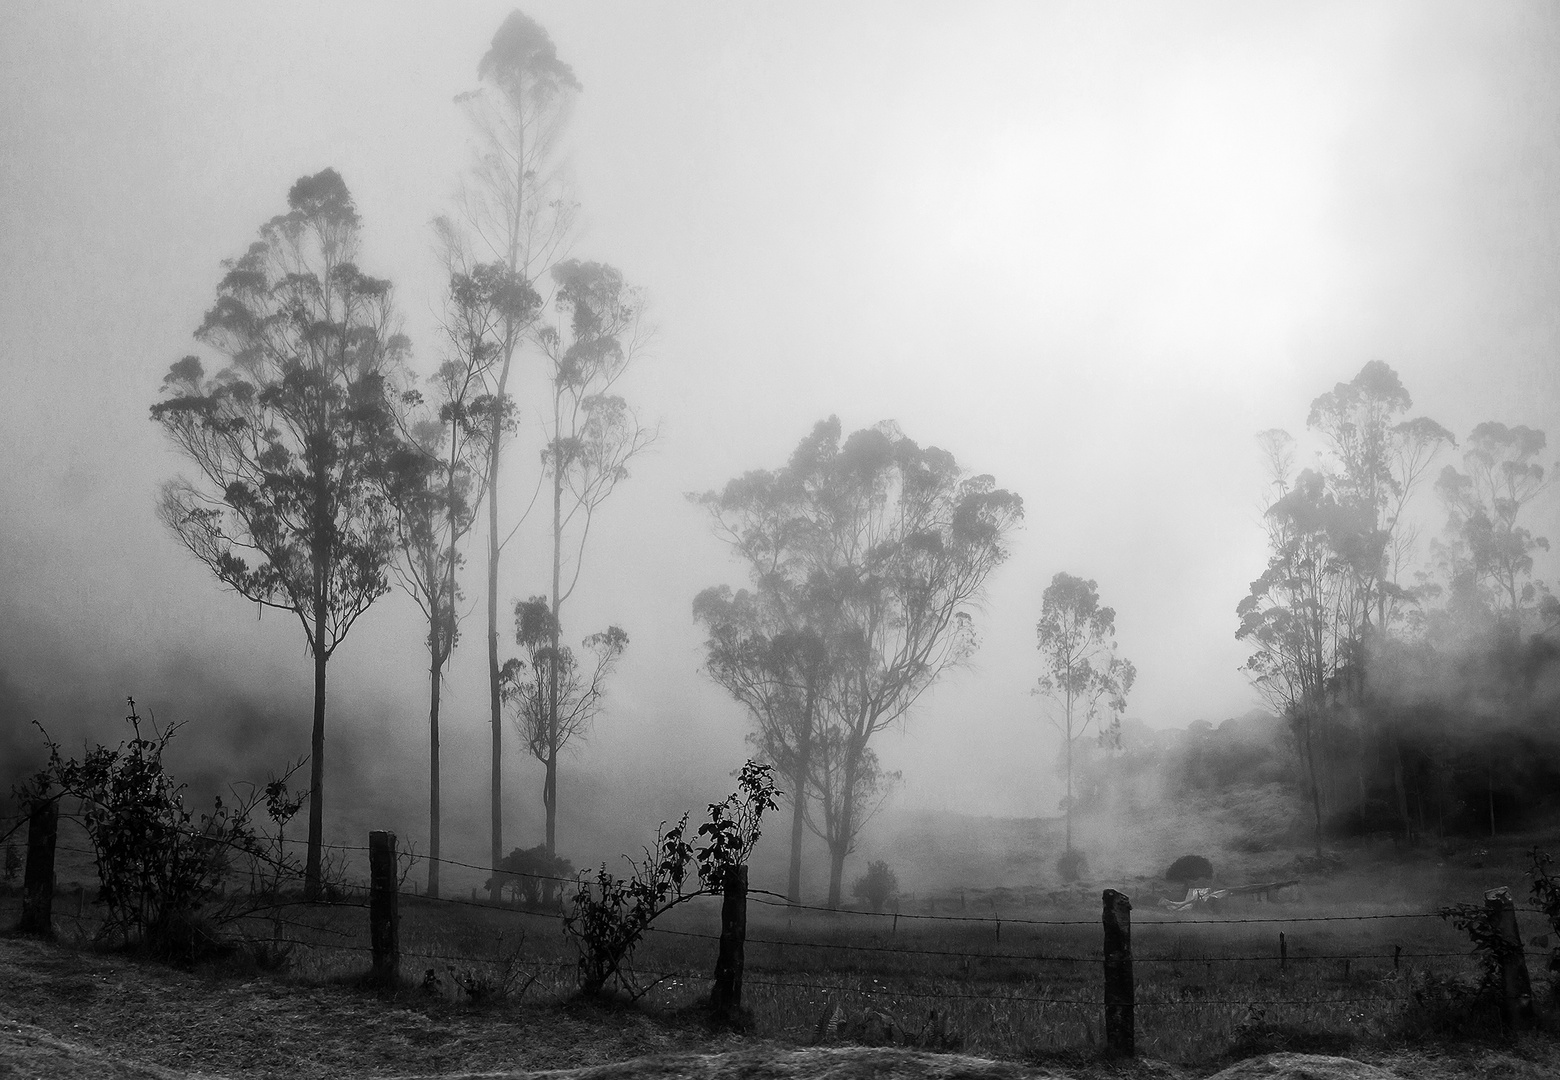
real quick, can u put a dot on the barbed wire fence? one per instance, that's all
(864, 965)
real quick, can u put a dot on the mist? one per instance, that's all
(1090, 250)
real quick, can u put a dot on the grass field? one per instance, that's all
(1017, 975)
(1011, 972)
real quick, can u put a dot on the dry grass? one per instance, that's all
(501, 995)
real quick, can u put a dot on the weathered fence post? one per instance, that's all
(1118, 973)
(726, 995)
(38, 882)
(1516, 999)
(384, 916)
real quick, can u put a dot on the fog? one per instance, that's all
(1090, 249)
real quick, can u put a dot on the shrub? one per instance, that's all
(532, 877)
(1449, 1007)
(1189, 868)
(609, 915)
(876, 886)
(1545, 894)
(1072, 865)
(159, 870)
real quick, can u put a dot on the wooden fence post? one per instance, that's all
(1118, 973)
(38, 882)
(1516, 999)
(384, 916)
(726, 995)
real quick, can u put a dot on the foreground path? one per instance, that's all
(80, 1014)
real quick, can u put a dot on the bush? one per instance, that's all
(1449, 1008)
(1072, 865)
(1189, 868)
(1545, 894)
(159, 871)
(532, 877)
(607, 917)
(876, 886)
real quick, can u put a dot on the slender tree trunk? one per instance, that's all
(550, 799)
(1067, 750)
(312, 868)
(793, 888)
(435, 666)
(839, 848)
(839, 841)
(1402, 788)
(496, 847)
(1067, 817)
(1489, 792)
(551, 791)
(1316, 791)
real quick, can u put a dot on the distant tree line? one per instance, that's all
(1419, 689)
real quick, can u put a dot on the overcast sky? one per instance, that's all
(1089, 248)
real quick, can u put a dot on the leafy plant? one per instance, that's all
(876, 886)
(1545, 887)
(609, 915)
(1545, 894)
(159, 867)
(1489, 947)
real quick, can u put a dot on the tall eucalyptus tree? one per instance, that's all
(512, 209)
(290, 439)
(904, 540)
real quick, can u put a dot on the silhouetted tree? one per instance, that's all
(591, 440)
(1377, 460)
(438, 477)
(1490, 547)
(553, 699)
(904, 540)
(1082, 675)
(767, 648)
(1296, 616)
(511, 207)
(291, 437)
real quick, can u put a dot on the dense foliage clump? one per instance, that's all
(162, 870)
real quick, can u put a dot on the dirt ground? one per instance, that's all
(66, 1013)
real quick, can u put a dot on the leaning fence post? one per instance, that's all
(38, 883)
(384, 915)
(726, 995)
(1118, 973)
(1516, 999)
